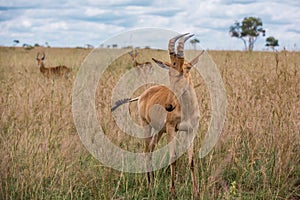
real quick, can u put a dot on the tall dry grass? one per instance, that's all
(257, 157)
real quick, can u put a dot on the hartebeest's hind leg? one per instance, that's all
(150, 144)
(172, 145)
(148, 158)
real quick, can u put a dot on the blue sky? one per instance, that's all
(76, 23)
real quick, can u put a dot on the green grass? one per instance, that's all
(257, 157)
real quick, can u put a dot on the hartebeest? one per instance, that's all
(60, 70)
(179, 104)
(145, 67)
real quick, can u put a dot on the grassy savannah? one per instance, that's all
(257, 156)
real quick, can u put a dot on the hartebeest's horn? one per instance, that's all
(180, 46)
(172, 41)
(37, 55)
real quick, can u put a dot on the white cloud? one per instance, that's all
(90, 12)
(75, 23)
(26, 23)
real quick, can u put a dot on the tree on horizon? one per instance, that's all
(248, 31)
(16, 42)
(194, 42)
(272, 42)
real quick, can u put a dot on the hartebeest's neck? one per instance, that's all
(135, 63)
(188, 99)
(42, 67)
(188, 103)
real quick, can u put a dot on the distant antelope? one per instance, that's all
(145, 67)
(179, 104)
(60, 70)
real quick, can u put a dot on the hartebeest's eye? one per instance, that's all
(174, 63)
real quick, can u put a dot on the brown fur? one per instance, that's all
(160, 95)
(60, 70)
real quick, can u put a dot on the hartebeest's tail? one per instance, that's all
(123, 101)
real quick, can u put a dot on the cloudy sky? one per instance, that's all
(76, 23)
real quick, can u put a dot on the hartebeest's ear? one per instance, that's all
(196, 59)
(161, 64)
